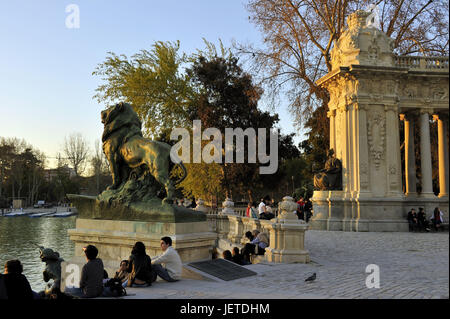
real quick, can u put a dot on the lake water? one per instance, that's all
(19, 237)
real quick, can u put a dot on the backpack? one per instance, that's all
(115, 285)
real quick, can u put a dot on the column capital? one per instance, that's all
(331, 113)
(440, 115)
(390, 107)
(428, 111)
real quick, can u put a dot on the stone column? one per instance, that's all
(410, 161)
(332, 115)
(442, 143)
(425, 155)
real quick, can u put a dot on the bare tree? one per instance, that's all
(76, 151)
(99, 164)
(298, 37)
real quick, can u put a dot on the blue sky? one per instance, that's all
(46, 86)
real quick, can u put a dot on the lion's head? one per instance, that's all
(119, 116)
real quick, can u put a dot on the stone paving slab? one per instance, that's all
(412, 265)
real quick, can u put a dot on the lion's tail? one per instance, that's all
(184, 173)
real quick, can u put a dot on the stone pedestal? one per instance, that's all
(287, 236)
(228, 207)
(333, 212)
(115, 239)
(190, 232)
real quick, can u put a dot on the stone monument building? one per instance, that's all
(371, 91)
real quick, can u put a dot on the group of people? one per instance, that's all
(264, 210)
(419, 221)
(138, 271)
(304, 209)
(258, 242)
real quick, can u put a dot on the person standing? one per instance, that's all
(301, 208)
(247, 211)
(168, 266)
(308, 209)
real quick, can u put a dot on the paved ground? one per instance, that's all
(412, 265)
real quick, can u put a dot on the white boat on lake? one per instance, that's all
(64, 214)
(47, 214)
(17, 214)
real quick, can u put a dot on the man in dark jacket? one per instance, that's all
(412, 219)
(16, 284)
(91, 282)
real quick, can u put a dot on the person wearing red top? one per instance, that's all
(301, 209)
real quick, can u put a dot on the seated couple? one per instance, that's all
(143, 271)
(257, 246)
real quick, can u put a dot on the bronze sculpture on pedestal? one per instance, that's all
(329, 178)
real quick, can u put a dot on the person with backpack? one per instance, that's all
(122, 274)
(92, 275)
(139, 267)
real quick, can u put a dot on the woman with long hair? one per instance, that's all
(139, 267)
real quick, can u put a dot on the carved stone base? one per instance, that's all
(114, 240)
(153, 210)
(332, 212)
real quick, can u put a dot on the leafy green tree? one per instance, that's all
(227, 98)
(151, 81)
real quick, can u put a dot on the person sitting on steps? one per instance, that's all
(139, 267)
(412, 220)
(437, 218)
(92, 275)
(422, 220)
(257, 245)
(168, 266)
(122, 274)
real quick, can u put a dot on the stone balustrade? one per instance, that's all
(419, 62)
(286, 233)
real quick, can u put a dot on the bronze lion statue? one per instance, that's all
(127, 150)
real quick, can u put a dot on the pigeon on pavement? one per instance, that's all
(311, 278)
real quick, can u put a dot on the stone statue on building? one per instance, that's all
(329, 178)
